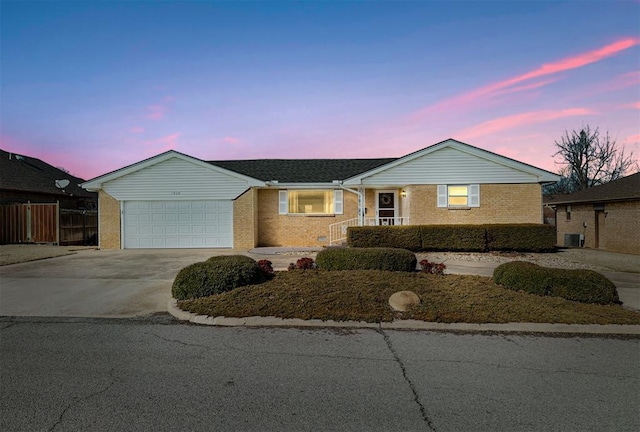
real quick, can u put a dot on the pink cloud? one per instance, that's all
(635, 105)
(632, 139)
(158, 111)
(136, 129)
(231, 140)
(580, 60)
(163, 144)
(518, 120)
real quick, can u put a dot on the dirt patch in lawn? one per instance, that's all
(363, 296)
(18, 253)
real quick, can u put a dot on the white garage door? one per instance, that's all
(178, 224)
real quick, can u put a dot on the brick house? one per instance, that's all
(175, 200)
(602, 217)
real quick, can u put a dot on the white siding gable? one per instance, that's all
(449, 166)
(176, 178)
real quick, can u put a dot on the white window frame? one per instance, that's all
(473, 196)
(338, 202)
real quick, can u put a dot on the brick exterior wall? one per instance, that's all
(621, 230)
(499, 203)
(294, 230)
(109, 223)
(245, 220)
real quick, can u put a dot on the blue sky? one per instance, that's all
(94, 86)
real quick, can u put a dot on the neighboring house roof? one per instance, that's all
(28, 174)
(624, 189)
(302, 170)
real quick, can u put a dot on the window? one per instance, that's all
(568, 212)
(459, 196)
(310, 202)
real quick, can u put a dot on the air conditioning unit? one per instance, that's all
(573, 240)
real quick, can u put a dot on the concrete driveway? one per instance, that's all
(96, 283)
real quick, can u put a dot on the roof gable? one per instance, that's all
(452, 161)
(97, 182)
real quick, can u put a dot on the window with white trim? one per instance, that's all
(459, 196)
(310, 202)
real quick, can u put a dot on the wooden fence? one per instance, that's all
(47, 223)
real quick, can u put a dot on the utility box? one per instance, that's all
(573, 240)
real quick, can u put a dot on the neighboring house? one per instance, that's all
(602, 217)
(174, 200)
(40, 203)
(25, 179)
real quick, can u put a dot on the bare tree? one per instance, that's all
(589, 159)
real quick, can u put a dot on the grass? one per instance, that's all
(363, 296)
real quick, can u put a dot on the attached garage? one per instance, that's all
(178, 224)
(170, 201)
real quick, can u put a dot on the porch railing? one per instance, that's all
(338, 230)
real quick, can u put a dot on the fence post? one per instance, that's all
(58, 223)
(28, 221)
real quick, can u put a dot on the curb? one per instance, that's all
(256, 321)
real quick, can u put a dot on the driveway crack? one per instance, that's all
(416, 396)
(77, 399)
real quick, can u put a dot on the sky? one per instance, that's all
(95, 86)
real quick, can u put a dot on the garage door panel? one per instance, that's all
(178, 224)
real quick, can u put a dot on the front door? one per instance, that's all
(386, 212)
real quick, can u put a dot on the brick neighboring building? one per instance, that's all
(607, 216)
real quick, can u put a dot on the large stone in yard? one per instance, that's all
(403, 300)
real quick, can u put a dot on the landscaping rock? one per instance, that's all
(403, 300)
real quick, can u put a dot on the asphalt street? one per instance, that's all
(68, 374)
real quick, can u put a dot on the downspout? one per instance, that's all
(360, 200)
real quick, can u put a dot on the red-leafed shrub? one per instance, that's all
(305, 264)
(266, 266)
(302, 264)
(432, 267)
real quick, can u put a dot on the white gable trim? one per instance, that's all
(95, 184)
(542, 175)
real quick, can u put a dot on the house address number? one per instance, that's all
(175, 193)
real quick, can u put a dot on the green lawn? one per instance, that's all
(363, 296)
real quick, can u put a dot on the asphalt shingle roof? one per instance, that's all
(626, 188)
(302, 170)
(24, 173)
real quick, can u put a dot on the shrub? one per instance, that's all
(267, 267)
(390, 259)
(586, 286)
(214, 276)
(432, 267)
(521, 237)
(302, 264)
(478, 238)
(453, 237)
(402, 237)
(305, 264)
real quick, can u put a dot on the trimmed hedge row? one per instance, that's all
(586, 286)
(389, 259)
(474, 238)
(216, 275)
